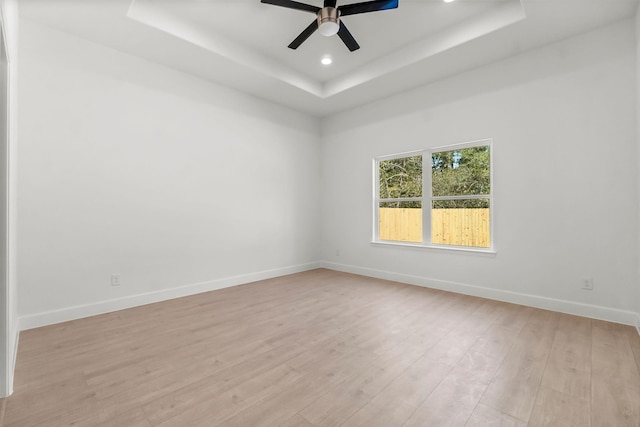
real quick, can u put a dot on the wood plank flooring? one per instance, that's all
(323, 348)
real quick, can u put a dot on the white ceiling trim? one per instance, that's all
(499, 17)
(147, 13)
(151, 14)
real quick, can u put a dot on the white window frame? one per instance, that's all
(428, 198)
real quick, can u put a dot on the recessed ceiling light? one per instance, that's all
(326, 60)
(448, 1)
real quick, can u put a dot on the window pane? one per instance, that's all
(401, 177)
(461, 172)
(461, 223)
(400, 221)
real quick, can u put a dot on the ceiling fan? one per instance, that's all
(328, 21)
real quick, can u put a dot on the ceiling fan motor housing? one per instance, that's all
(328, 21)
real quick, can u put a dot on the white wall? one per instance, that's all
(566, 187)
(9, 16)
(638, 152)
(129, 167)
(132, 168)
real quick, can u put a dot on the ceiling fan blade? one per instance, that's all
(292, 5)
(330, 3)
(368, 6)
(347, 38)
(304, 35)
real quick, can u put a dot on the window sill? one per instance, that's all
(475, 251)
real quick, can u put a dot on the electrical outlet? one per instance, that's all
(115, 280)
(587, 284)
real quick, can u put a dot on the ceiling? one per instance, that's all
(243, 43)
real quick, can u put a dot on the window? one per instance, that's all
(400, 199)
(457, 193)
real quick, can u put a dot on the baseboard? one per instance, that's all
(93, 309)
(16, 342)
(12, 353)
(563, 306)
(3, 409)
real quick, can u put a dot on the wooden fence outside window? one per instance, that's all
(460, 227)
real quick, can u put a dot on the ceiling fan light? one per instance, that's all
(329, 28)
(328, 21)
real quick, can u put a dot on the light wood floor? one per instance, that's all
(323, 348)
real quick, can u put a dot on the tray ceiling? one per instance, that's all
(243, 43)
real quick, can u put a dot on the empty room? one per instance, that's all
(376, 213)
